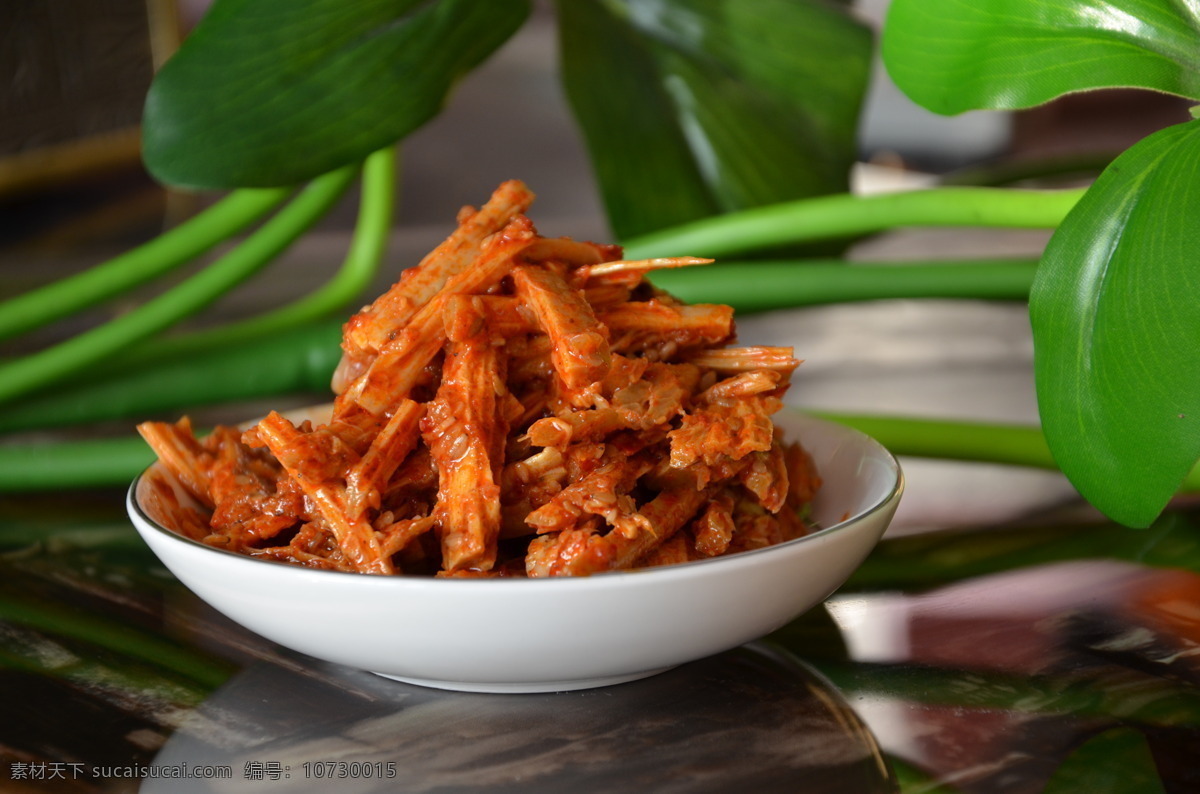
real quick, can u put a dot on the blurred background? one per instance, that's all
(79, 70)
(73, 192)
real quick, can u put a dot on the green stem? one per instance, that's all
(31, 372)
(762, 286)
(1020, 445)
(845, 215)
(299, 360)
(169, 250)
(102, 463)
(358, 269)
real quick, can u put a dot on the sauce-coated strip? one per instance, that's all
(355, 536)
(579, 347)
(620, 267)
(582, 552)
(368, 331)
(665, 326)
(367, 479)
(575, 252)
(718, 432)
(603, 492)
(744, 359)
(463, 431)
(399, 364)
(176, 446)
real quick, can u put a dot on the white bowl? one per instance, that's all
(544, 635)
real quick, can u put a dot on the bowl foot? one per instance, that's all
(525, 687)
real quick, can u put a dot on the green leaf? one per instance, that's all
(692, 108)
(1117, 332)
(275, 92)
(1117, 761)
(957, 55)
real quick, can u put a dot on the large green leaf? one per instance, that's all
(1116, 329)
(274, 92)
(696, 107)
(956, 55)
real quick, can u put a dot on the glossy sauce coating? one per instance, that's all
(515, 405)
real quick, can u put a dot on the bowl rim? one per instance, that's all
(896, 489)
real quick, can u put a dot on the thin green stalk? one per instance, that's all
(845, 215)
(185, 242)
(762, 286)
(100, 463)
(36, 370)
(1020, 445)
(358, 269)
(296, 360)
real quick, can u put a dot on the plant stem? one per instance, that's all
(762, 286)
(169, 250)
(1020, 445)
(100, 463)
(288, 362)
(358, 269)
(845, 215)
(23, 375)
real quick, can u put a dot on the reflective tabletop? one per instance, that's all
(1058, 656)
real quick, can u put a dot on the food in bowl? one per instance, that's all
(514, 406)
(488, 634)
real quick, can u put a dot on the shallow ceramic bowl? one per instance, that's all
(541, 635)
